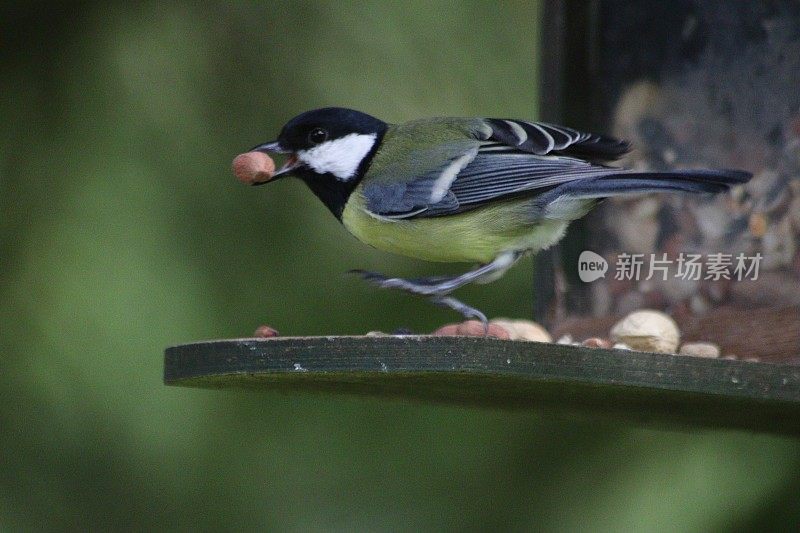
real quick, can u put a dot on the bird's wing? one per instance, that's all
(419, 179)
(492, 159)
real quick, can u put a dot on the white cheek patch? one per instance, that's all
(340, 157)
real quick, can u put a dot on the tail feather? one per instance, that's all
(573, 199)
(631, 183)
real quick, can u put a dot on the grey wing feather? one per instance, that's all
(493, 176)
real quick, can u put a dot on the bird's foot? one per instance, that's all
(436, 288)
(465, 310)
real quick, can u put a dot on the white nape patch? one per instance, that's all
(340, 157)
(448, 175)
(519, 131)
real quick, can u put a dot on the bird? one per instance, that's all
(484, 191)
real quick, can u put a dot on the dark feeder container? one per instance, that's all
(691, 84)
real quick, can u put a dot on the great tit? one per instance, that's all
(479, 190)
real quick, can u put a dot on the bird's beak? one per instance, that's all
(275, 147)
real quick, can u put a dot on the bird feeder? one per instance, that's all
(691, 83)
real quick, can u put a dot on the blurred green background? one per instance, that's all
(123, 231)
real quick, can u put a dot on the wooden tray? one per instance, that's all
(565, 381)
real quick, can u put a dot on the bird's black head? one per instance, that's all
(329, 149)
(314, 128)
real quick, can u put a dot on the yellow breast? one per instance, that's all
(474, 236)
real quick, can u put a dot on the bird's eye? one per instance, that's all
(317, 136)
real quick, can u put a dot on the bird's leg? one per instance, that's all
(442, 285)
(439, 287)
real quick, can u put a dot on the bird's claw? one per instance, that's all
(437, 288)
(465, 310)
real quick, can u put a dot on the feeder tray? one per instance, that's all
(554, 380)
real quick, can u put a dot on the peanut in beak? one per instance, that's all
(253, 168)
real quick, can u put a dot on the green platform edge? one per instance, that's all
(560, 380)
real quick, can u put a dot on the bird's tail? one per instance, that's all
(627, 183)
(561, 200)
